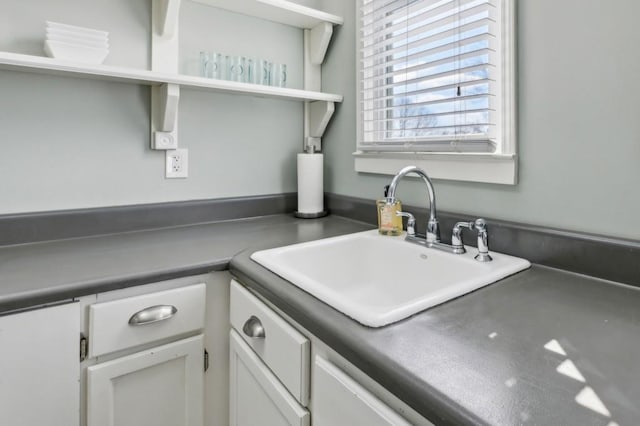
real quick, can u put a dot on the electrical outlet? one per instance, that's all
(177, 163)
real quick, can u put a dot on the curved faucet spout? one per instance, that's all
(433, 229)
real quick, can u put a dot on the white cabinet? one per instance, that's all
(257, 397)
(162, 386)
(269, 365)
(39, 367)
(271, 382)
(283, 349)
(147, 359)
(338, 399)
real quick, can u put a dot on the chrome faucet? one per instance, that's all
(432, 237)
(433, 228)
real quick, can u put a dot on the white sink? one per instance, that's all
(378, 280)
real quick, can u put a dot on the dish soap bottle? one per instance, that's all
(389, 223)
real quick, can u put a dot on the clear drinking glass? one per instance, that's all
(251, 71)
(265, 72)
(206, 69)
(280, 75)
(211, 64)
(237, 69)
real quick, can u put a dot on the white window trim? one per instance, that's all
(498, 168)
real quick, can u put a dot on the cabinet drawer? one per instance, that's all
(111, 325)
(283, 349)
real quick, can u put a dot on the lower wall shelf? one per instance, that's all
(38, 64)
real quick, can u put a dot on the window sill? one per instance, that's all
(468, 167)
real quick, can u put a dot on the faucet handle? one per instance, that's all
(483, 241)
(411, 223)
(456, 236)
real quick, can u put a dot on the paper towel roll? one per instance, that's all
(310, 186)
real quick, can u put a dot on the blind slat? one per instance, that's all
(432, 77)
(426, 18)
(436, 99)
(371, 63)
(451, 36)
(451, 60)
(439, 114)
(434, 102)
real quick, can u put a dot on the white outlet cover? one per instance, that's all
(177, 163)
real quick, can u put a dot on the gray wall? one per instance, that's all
(73, 143)
(69, 143)
(579, 129)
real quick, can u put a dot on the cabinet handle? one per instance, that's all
(253, 328)
(153, 314)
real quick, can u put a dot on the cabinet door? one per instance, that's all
(340, 400)
(40, 367)
(162, 386)
(256, 396)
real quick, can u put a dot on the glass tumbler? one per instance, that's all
(206, 66)
(263, 72)
(211, 64)
(280, 75)
(237, 69)
(250, 71)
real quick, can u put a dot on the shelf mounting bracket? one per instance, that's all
(164, 116)
(317, 117)
(316, 113)
(320, 36)
(165, 16)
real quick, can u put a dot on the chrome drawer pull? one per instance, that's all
(253, 328)
(153, 314)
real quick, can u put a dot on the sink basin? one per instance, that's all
(377, 279)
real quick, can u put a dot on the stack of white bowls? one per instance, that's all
(76, 44)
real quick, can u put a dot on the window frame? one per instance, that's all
(498, 167)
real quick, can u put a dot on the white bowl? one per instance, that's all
(78, 30)
(80, 42)
(56, 32)
(75, 52)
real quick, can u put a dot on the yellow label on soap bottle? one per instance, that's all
(389, 223)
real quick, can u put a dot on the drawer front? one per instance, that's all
(283, 349)
(134, 321)
(256, 396)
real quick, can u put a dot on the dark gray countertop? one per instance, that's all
(39, 273)
(478, 359)
(481, 359)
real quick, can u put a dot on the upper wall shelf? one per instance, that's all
(39, 64)
(282, 11)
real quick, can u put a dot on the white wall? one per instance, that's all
(579, 130)
(73, 143)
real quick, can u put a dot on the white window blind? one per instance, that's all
(430, 75)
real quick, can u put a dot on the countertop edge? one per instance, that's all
(51, 295)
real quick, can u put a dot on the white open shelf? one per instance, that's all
(282, 11)
(39, 64)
